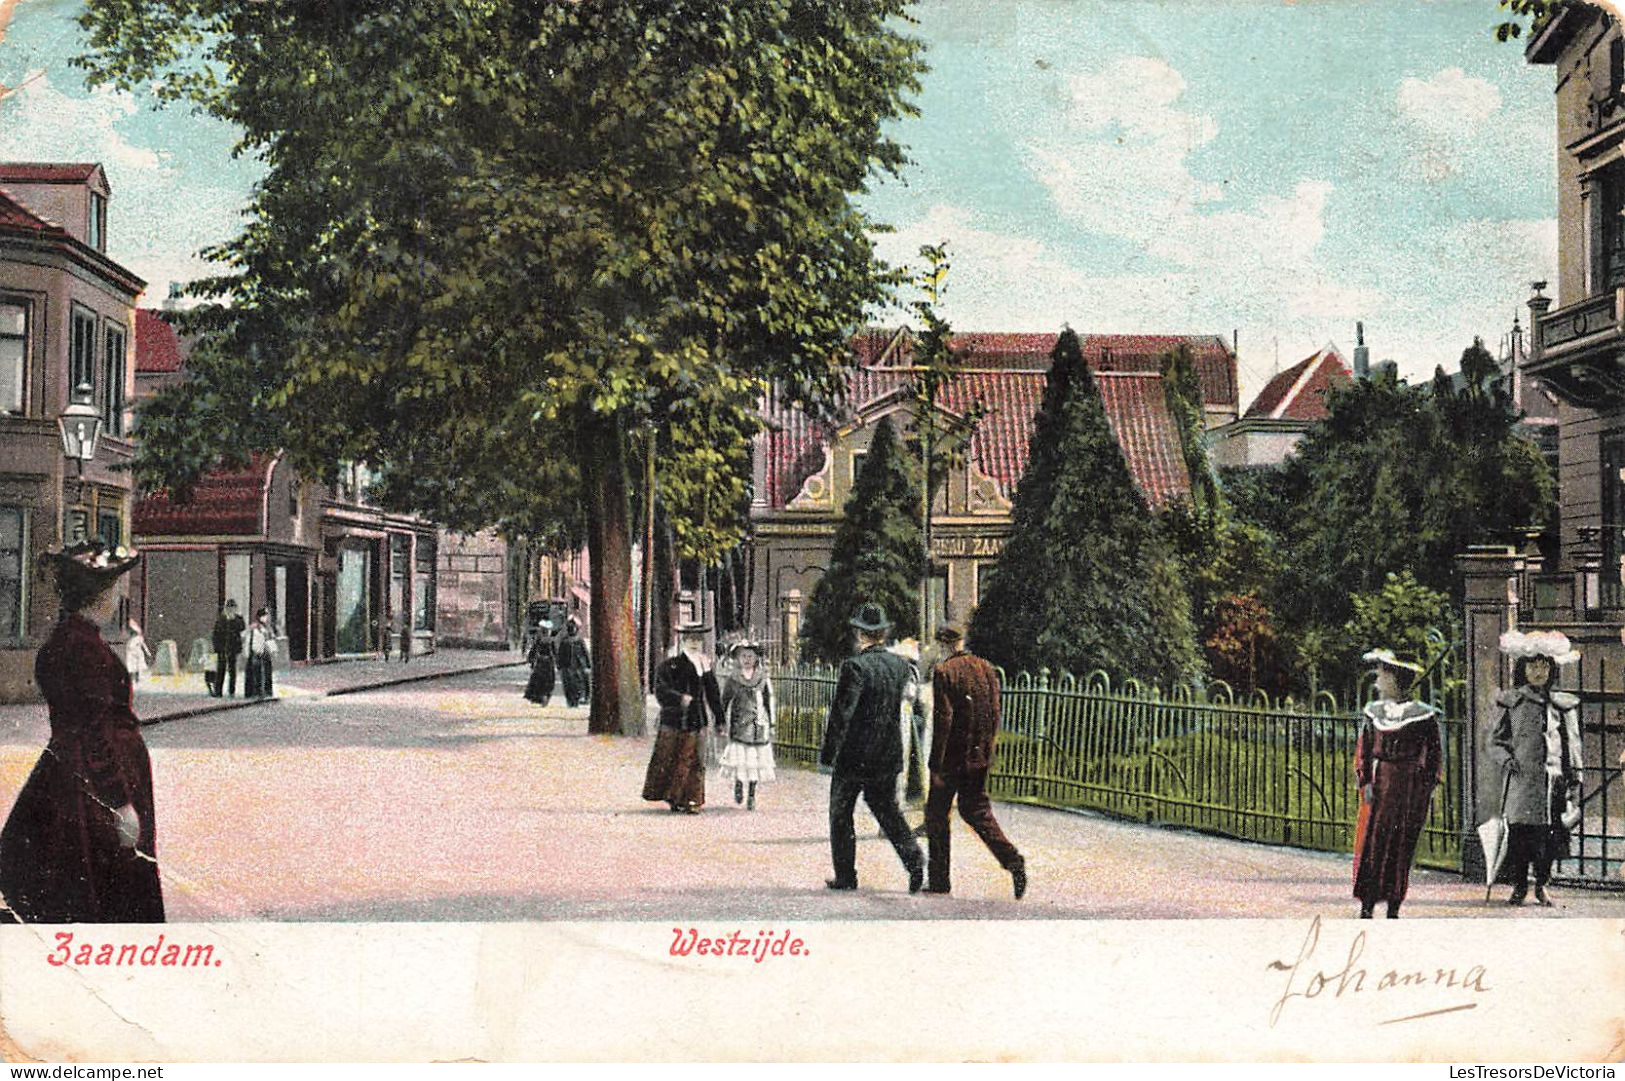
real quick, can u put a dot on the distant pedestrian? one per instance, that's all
(543, 666)
(748, 709)
(864, 745)
(137, 656)
(966, 715)
(260, 649)
(916, 696)
(1536, 741)
(228, 645)
(686, 688)
(575, 666)
(1397, 762)
(80, 845)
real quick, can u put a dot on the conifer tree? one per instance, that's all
(1086, 581)
(877, 556)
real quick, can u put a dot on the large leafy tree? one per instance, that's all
(1400, 477)
(488, 228)
(877, 556)
(1086, 580)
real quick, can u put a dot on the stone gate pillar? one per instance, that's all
(790, 627)
(1491, 578)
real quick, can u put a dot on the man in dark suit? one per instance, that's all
(228, 646)
(964, 721)
(864, 743)
(686, 688)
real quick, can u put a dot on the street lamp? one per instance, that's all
(80, 426)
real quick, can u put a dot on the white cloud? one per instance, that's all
(1121, 168)
(1118, 166)
(44, 124)
(161, 213)
(1451, 104)
(1443, 114)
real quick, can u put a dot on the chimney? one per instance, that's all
(1362, 355)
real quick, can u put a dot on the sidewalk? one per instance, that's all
(168, 698)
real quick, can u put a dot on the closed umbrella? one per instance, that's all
(1493, 836)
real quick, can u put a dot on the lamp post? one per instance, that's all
(80, 426)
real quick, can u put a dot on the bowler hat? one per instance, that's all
(871, 619)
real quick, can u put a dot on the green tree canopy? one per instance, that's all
(878, 555)
(1086, 580)
(492, 227)
(1400, 477)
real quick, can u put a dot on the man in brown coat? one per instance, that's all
(964, 723)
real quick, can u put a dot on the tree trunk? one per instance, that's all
(665, 590)
(617, 699)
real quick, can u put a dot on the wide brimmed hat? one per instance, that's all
(1388, 659)
(90, 561)
(1552, 645)
(948, 634)
(749, 643)
(871, 619)
(693, 628)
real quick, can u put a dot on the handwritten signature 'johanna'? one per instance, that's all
(1306, 980)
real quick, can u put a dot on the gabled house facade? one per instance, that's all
(1282, 414)
(67, 316)
(804, 471)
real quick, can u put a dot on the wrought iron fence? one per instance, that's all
(1597, 850)
(1242, 766)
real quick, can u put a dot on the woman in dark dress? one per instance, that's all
(1397, 761)
(543, 657)
(80, 844)
(575, 668)
(1536, 741)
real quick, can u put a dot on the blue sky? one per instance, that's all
(1280, 170)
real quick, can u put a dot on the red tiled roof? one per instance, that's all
(1146, 432)
(47, 172)
(1134, 403)
(17, 216)
(1215, 364)
(1299, 393)
(157, 347)
(224, 503)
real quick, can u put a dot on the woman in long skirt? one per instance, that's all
(686, 688)
(1397, 761)
(542, 667)
(747, 709)
(1536, 741)
(80, 845)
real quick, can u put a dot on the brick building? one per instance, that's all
(805, 470)
(66, 318)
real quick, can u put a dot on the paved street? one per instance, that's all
(454, 799)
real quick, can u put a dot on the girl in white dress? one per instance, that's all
(747, 706)
(137, 657)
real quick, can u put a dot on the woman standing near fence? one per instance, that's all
(1397, 761)
(1537, 742)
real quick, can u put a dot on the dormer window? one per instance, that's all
(98, 221)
